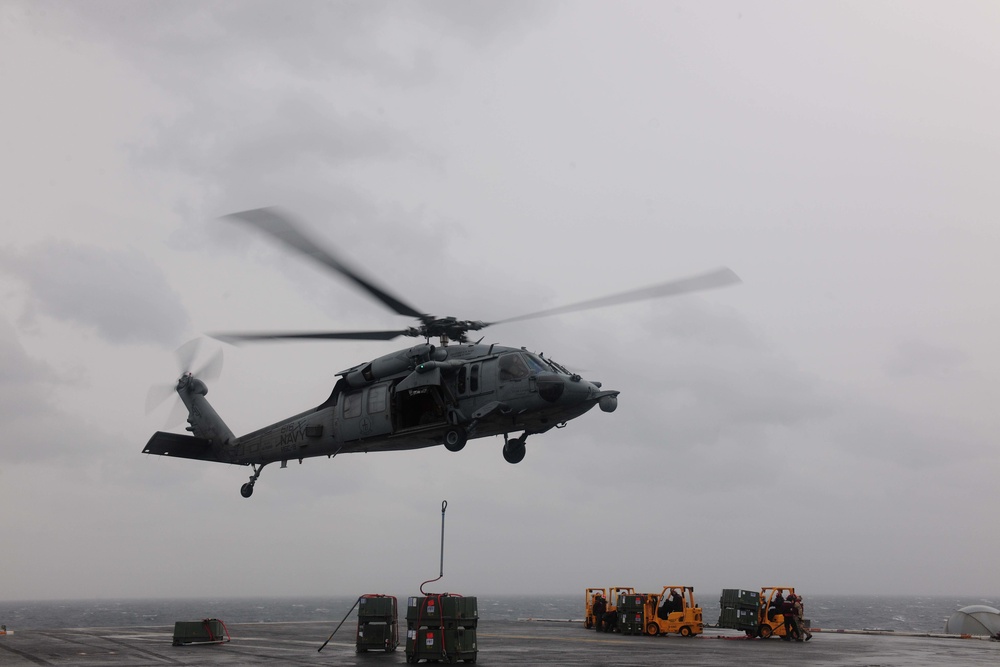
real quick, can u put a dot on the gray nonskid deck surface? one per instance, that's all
(499, 643)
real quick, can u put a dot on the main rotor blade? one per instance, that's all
(275, 223)
(710, 280)
(235, 338)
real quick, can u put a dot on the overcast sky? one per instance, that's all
(830, 424)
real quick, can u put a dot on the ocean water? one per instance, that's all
(897, 613)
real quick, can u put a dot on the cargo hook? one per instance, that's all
(444, 506)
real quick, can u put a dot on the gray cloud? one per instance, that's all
(485, 160)
(121, 295)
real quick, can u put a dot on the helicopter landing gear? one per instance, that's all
(247, 489)
(455, 439)
(513, 450)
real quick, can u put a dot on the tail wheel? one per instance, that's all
(765, 632)
(455, 439)
(685, 631)
(246, 490)
(652, 629)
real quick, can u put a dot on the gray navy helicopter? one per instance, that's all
(421, 396)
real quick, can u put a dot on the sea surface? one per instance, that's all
(900, 614)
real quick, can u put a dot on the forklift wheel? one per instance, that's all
(765, 632)
(652, 629)
(685, 631)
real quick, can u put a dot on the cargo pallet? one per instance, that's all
(378, 624)
(739, 610)
(631, 613)
(441, 627)
(205, 631)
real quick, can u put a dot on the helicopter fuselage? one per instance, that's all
(419, 397)
(410, 399)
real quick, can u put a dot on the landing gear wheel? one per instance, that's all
(652, 629)
(513, 450)
(247, 489)
(455, 439)
(765, 632)
(685, 631)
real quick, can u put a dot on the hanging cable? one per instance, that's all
(444, 506)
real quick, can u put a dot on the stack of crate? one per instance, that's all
(441, 627)
(632, 613)
(378, 625)
(738, 610)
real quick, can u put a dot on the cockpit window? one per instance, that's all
(512, 367)
(536, 364)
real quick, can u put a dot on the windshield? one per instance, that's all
(540, 364)
(536, 364)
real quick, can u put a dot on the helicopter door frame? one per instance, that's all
(365, 413)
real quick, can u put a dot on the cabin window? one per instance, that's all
(512, 367)
(461, 380)
(352, 405)
(376, 399)
(474, 378)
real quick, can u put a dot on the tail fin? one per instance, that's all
(181, 446)
(204, 422)
(211, 437)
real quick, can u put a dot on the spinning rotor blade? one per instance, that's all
(712, 279)
(186, 354)
(158, 395)
(310, 335)
(278, 225)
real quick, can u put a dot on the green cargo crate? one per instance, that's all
(447, 609)
(739, 598)
(449, 645)
(631, 601)
(376, 637)
(631, 622)
(738, 619)
(205, 631)
(377, 607)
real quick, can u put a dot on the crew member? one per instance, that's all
(777, 603)
(599, 609)
(788, 611)
(800, 626)
(676, 600)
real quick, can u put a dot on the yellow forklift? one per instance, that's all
(770, 619)
(673, 610)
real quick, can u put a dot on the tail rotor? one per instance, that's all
(210, 369)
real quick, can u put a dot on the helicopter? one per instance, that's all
(421, 396)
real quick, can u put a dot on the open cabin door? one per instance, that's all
(419, 400)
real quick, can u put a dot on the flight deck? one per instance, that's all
(500, 642)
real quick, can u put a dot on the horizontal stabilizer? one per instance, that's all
(181, 446)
